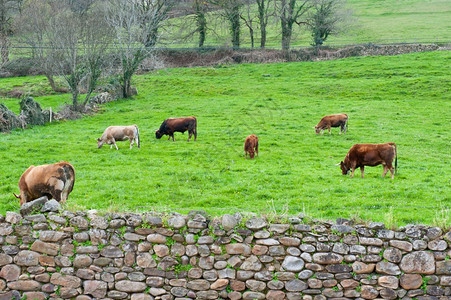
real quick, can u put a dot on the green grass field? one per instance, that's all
(381, 21)
(403, 99)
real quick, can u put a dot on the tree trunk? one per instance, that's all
(201, 22)
(262, 18)
(235, 27)
(4, 47)
(52, 82)
(201, 27)
(263, 35)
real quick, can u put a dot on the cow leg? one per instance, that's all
(352, 172)
(245, 156)
(190, 134)
(195, 134)
(385, 170)
(362, 169)
(173, 137)
(256, 149)
(392, 173)
(131, 142)
(114, 143)
(329, 130)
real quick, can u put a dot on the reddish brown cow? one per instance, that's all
(54, 181)
(340, 120)
(361, 155)
(250, 144)
(171, 125)
(119, 133)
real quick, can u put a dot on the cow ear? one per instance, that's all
(18, 197)
(156, 130)
(98, 140)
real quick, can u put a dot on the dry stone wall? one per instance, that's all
(83, 255)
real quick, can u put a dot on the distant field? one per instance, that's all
(403, 99)
(381, 21)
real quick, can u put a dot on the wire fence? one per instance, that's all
(24, 50)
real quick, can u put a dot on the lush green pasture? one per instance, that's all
(381, 21)
(403, 99)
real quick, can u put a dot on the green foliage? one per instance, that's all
(390, 98)
(424, 285)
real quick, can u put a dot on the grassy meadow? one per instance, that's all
(403, 99)
(381, 21)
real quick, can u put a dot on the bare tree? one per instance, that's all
(248, 16)
(264, 13)
(200, 10)
(76, 43)
(327, 17)
(230, 10)
(291, 12)
(33, 30)
(131, 39)
(152, 14)
(7, 10)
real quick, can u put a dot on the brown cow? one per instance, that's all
(119, 133)
(171, 125)
(250, 144)
(361, 155)
(340, 120)
(54, 181)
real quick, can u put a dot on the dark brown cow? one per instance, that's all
(361, 155)
(119, 133)
(339, 120)
(54, 181)
(171, 125)
(250, 144)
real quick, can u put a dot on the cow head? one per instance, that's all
(344, 168)
(251, 154)
(99, 143)
(158, 134)
(317, 129)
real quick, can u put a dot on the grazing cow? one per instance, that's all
(54, 181)
(119, 133)
(340, 120)
(361, 155)
(250, 144)
(171, 125)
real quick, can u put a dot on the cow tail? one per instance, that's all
(137, 134)
(396, 156)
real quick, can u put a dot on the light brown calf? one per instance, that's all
(119, 133)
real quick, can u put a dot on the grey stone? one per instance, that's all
(295, 285)
(293, 264)
(393, 255)
(420, 262)
(51, 206)
(130, 286)
(256, 224)
(33, 206)
(437, 245)
(387, 268)
(327, 258)
(228, 222)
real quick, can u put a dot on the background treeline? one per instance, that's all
(79, 40)
(82, 41)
